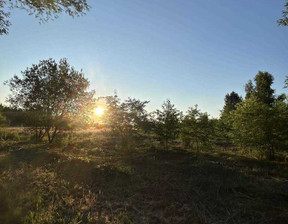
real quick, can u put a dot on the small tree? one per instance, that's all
(138, 116)
(50, 93)
(126, 121)
(167, 122)
(197, 130)
(259, 126)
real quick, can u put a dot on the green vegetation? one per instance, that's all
(52, 96)
(284, 20)
(167, 123)
(60, 163)
(84, 180)
(197, 130)
(3, 120)
(135, 166)
(260, 126)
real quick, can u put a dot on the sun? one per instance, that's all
(98, 111)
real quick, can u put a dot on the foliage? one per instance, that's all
(14, 116)
(259, 126)
(286, 82)
(284, 20)
(42, 9)
(197, 130)
(167, 123)
(249, 89)
(126, 121)
(262, 89)
(53, 98)
(259, 121)
(3, 121)
(223, 125)
(231, 100)
(222, 132)
(51, 95)
(4, 21)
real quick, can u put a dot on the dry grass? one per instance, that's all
(86, 182)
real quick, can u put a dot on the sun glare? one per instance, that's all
(99, 111)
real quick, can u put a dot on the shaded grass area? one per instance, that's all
(84, 183)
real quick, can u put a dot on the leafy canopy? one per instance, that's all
(197, 129)
(260, 126)
(167, 123)
(262, 89)
(284, 20)
(41, 9)
(51, 93)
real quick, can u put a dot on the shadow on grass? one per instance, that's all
(183, 187)
(156, 187)
(33, 156)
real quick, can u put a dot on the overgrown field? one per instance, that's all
(83, 180)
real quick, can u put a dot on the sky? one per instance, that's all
(188, 51)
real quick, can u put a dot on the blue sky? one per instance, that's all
(190, 51)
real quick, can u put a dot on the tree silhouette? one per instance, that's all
(197, 129)
(51, 95)
(167, 123)
(41, 9)
(262, 89)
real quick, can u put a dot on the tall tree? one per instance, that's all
(167, 123)
(223, 126)
(262, 89)
(249, 89)
(41, 9)
(231, 100)
(51, 94)
(284, 20)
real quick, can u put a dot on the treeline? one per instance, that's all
(11, 116)
(53, 97)
(258, 122)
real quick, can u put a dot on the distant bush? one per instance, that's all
(9, 135)
(3, 121)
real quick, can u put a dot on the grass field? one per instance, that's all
(85, 181)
